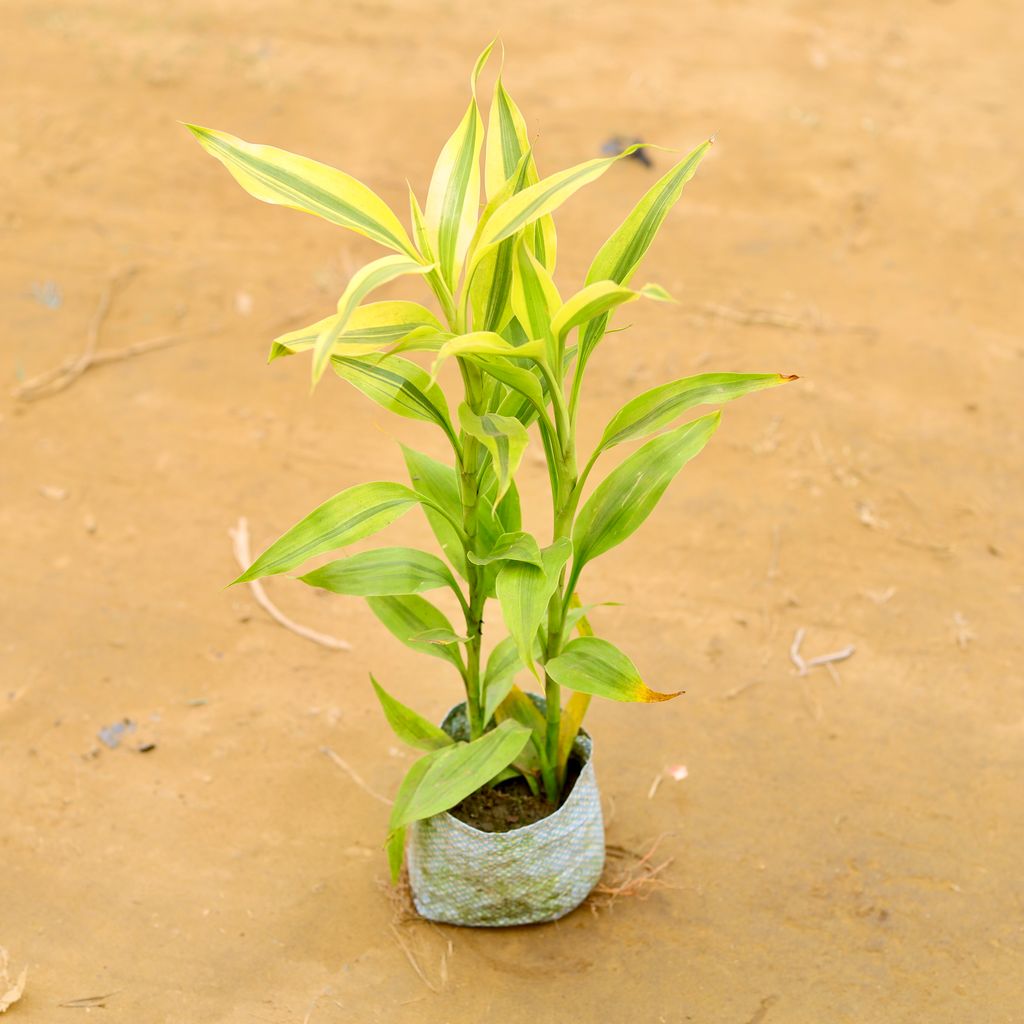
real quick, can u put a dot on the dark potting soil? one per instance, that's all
(510, 804)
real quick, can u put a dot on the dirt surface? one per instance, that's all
(845, 850)
(507, 806)
(511, 804)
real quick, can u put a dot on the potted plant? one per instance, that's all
(500, 816)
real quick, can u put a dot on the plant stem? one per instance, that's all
(469, 494)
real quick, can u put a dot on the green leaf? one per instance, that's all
(524, 591)
(591, 665)
(442, 637)
(451, 774)
(398, 385)
(507, 512)
(485, 343)
(627, 496)
(365, 280)
(504, 437)
(370, 328)
(619, 257)
(491, 285)
(386, 571)
(508, 148)
(653, 409)
(349, 516)
(589, 302)
(535, 298)
(453, 199)
(439, 484)
(408, 618)
(502, 665)
(512, 547)
(507, 140)
(545, 197)
(394, 847)
(285, 179)
(410, 727)
(521, 380)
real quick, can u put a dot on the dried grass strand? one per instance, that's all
(240, 542)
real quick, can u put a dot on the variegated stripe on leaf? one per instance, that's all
(485, 343)
(659, 406)
(365, 280)
(453, 199)
(286, 179)
(370, 328)
(619, 257)
(545, 197)
(398, 385)
(535, 297)
(353, 514)
(628, 495)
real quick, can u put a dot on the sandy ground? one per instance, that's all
(844, 850)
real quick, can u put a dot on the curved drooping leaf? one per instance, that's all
(499, 675)
(353, 514)
(643, 415)
(398, 385)
(452, 773)
(370, 328)
(453, 199)
(591, 665)
(588, 302)
(619, 257)
(512, 547)
(504, 437)
(285, 179)
(410, 727)
(383, 572)
(520, 379)
(524, 591)
(409, 617)
(364, 281)
(485, 343)
(627, 496)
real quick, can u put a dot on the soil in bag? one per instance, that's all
(510, 804)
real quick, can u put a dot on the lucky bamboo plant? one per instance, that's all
(522, 352)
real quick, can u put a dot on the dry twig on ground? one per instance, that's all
(355, 776)
(56, 379)
(240, 542)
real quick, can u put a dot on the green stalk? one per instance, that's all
(469, 493)
(565, 501)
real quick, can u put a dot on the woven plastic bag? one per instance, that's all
(540, 872)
